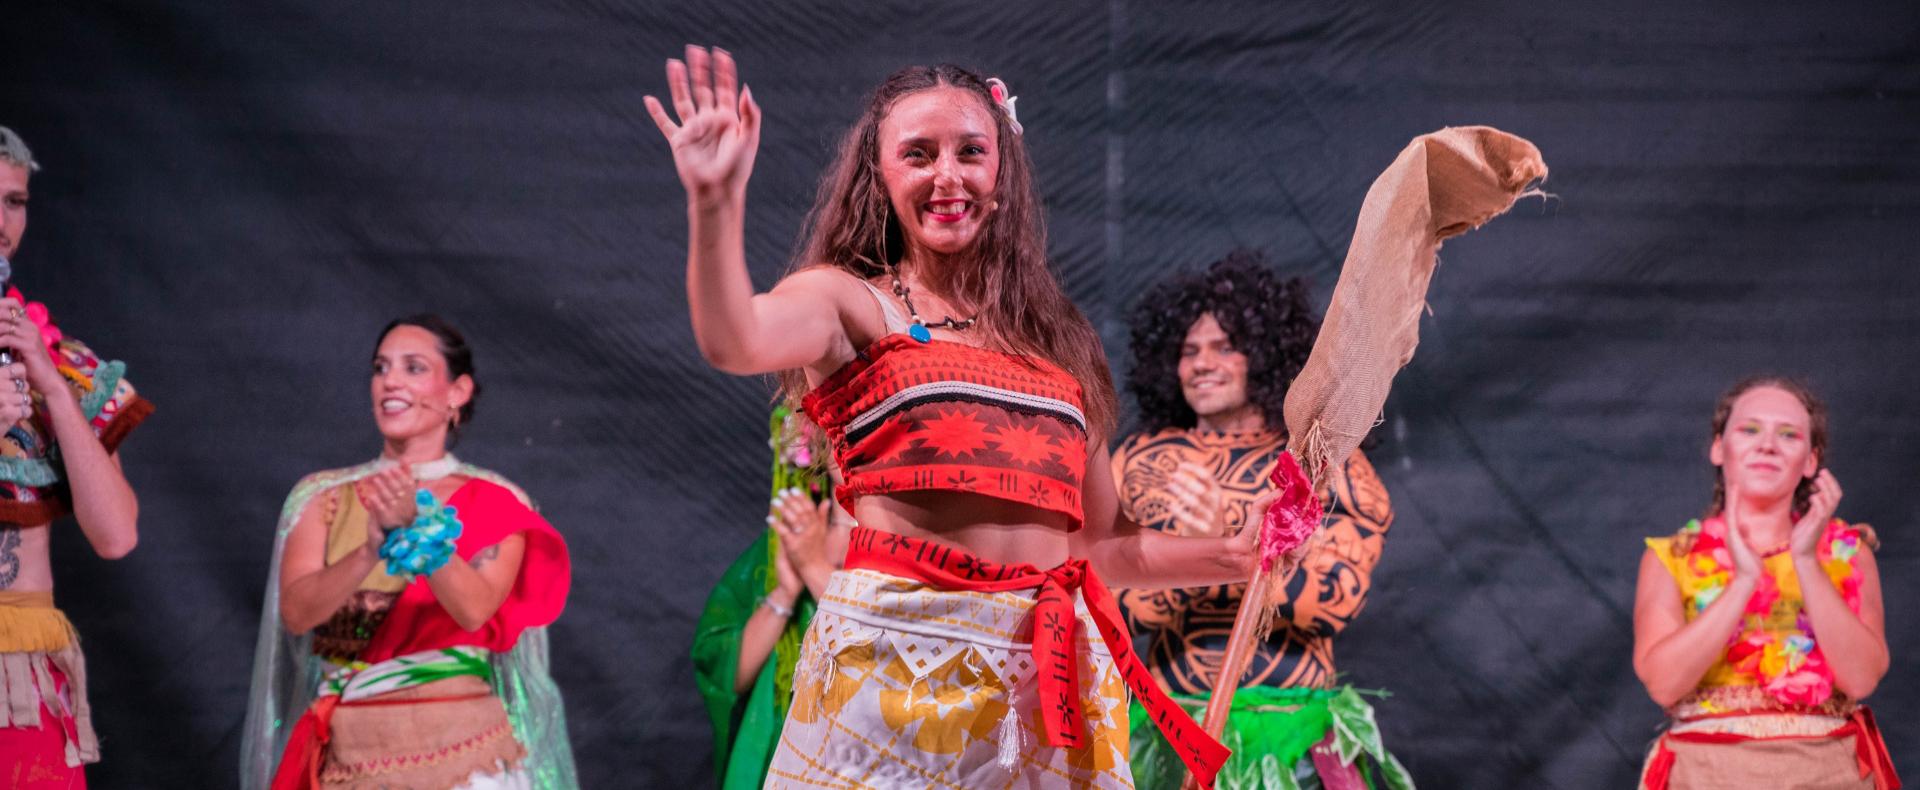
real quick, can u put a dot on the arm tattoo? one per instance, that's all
(485, 556)
(9, 559)
(1187, 630)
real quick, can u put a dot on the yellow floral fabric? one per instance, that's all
(902, 685)
(1775, 649)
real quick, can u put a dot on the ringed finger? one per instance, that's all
(790, 513)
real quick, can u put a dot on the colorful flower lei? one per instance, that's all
(799, 453)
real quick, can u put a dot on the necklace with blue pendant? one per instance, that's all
(921, 331)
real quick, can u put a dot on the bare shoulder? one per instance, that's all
(316, 496)
(827, 281)
(317, 511)
(832, 285)
(1654, 571)
(852, 302)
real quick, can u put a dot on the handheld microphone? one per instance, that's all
(6, 279)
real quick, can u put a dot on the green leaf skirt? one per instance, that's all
(1270, 730)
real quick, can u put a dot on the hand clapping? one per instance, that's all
(802, 527)
(1746, 561)
(388, 498)
(1813, 524)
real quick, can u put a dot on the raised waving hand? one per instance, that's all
(718, 131)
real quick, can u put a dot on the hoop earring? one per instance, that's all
(886, 218)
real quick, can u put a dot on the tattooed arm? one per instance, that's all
(472, 591)
(1327, 591)
(1146, 611)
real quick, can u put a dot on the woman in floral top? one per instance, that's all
(1761, 672)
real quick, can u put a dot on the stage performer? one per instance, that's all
(970, 640)
(66, 411)
(1760, 628)
(747, 643)
(1213, 353)
(402, 638)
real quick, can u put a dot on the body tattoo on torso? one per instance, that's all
(9, 556)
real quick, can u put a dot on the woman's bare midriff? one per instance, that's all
(989, 528)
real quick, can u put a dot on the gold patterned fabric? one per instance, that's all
(348, 630)
(1707, 702)
(901, 685)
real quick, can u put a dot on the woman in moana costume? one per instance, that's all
(970, 640)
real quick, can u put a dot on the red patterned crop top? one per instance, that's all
(946, 416)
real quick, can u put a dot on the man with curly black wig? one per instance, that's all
(1213, 354)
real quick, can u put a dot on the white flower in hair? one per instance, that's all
(1003, 97)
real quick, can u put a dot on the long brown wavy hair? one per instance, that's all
(1816, 432)
(1022, 308)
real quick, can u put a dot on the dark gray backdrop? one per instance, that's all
(236, 196)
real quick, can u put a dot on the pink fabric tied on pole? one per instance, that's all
(1292, 518)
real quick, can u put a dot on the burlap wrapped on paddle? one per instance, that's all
(1440, 186)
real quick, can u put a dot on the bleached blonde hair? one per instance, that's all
(14, 149)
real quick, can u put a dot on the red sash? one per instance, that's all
(948, 568)
(1869, 750)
